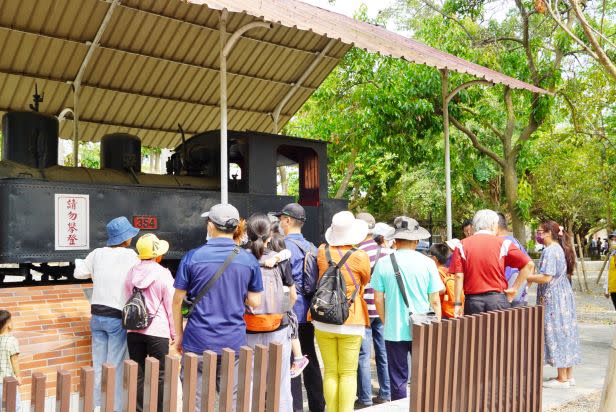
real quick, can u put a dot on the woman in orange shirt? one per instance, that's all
(340, 344)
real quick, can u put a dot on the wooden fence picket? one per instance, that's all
(129, 386)
(272, 400)
(107, 388)
(244, 380)
(9, 394)
(63, 391)
(172, 373)
(189, 386)
(259, 378)
(86, 390)
(150, 385)
(37, 392)
(208, 389)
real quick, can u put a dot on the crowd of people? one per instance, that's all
(258, 281)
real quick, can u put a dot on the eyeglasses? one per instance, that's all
(540, 231)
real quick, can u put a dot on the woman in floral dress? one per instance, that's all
(562, 342)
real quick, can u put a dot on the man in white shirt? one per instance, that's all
(108, 267)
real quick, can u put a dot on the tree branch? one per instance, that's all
(601, 56)
(434, 7)
(568, 30)
(526, 42)
(490, 126)
(486, 41)
(476, 143)
(510, 120)
(527, 132)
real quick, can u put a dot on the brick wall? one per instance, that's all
(53, 329)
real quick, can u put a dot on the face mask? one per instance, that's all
(539, 238)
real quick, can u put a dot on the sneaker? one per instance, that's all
(572, 382)
(556, 384)
(378, 400)
(298, 367)
(359, 405)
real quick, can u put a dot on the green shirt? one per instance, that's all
(420, 277)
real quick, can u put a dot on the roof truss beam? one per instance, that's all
(125, 91)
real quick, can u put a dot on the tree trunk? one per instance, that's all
(511, 192)
(284, 181)
(349, 173)
(157, 165)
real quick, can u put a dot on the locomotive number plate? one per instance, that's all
(145, 222)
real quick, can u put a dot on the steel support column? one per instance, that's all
(445, 93)
(446, 96)
(299, 83)
(82, 69)
(225, 49)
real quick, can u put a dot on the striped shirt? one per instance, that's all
(371, 248)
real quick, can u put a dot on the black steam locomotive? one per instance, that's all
(51, 214)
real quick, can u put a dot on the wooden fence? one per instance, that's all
(487, 362)
(264, 382)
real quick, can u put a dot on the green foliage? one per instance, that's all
(567, 184)
(382, 118)
(89, 155)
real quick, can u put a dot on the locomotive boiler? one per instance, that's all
(51, 214)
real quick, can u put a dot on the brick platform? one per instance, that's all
(52, 326)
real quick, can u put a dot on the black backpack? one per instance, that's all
(135, 314)
(310, 270)
(329, 303)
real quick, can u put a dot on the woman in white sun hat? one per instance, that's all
(340, 344)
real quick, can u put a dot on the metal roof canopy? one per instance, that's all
(143, 66)
(157, 62)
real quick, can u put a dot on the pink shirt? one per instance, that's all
(156, 283)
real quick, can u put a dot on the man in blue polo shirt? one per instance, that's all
(292, 219)
(217, 321)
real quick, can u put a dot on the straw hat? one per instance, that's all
(346, 230)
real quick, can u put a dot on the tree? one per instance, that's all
(561, 181)
(498, 121)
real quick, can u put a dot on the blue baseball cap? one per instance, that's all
(119, 230)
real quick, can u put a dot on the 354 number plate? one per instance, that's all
(145, 222)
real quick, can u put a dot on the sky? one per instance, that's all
(348, 7)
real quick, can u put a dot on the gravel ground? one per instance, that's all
(586, 403)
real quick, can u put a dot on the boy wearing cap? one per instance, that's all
(108, 267)
(292, 218)
(422, 285)
(156, 285)
(217, 321)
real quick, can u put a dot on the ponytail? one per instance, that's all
(258, 230)
(564, 240)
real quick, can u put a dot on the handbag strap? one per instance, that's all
(219, 272)
(341, 262)
(349, 253)
(401, 287)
